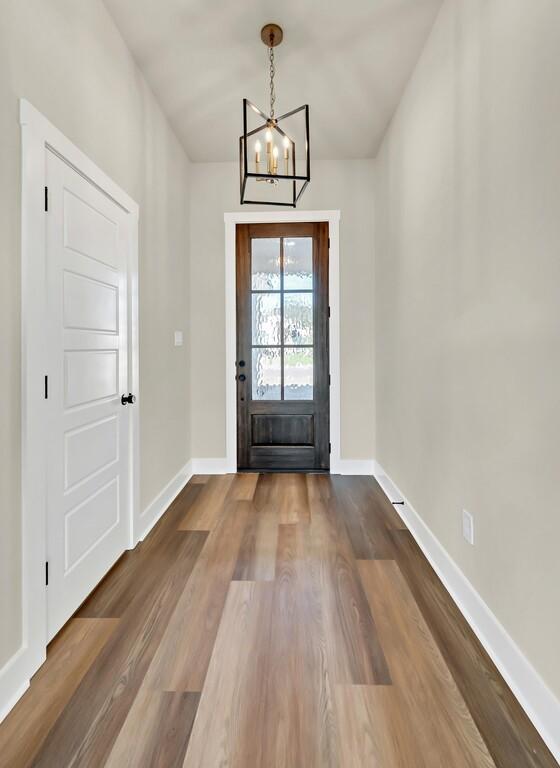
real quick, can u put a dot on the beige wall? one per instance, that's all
(467, 305)
(69, 61)
(347, 186)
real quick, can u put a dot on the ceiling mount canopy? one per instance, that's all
(272, 35)
(274, 162)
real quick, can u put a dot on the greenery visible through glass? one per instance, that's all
(298, 318)
(298, 373)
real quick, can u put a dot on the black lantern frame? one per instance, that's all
(272, 123)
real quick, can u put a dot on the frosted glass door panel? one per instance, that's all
(267, 373)
(265, 264)
(266, 318)
(298, 263)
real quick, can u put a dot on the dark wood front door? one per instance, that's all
(283, 346)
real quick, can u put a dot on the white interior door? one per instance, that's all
(88, 518)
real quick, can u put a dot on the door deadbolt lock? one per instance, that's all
(242, 377)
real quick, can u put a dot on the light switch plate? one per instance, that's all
(468, 527)
(178, 338)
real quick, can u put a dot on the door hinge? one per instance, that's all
(46, 198)
(330, 447)
(47, 573)
(329, 312)
(329, 379)
(46, 387)
(329, 242)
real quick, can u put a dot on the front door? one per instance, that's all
(282, 347)
(88, 522)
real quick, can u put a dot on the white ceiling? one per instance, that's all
(348, 59)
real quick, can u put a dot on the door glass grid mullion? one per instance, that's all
(277, 346)
(287, 290)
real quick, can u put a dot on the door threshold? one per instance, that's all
(269, 471)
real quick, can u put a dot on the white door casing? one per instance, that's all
(87, 458)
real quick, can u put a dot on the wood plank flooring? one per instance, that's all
(271, 621)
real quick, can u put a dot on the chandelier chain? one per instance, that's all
(272, 72)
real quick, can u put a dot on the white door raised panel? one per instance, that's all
(88, 523)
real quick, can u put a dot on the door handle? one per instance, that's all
(242, 377)
(128, 399)
(241, 363)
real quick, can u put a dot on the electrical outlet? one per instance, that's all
(178, 338)
(468, 527)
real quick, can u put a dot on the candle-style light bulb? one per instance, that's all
(257, 154)
(268, 140)
(275, 160)
(287, 143)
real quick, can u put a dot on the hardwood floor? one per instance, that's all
(271, 621)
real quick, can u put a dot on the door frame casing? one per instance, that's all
(38, 136)
(231, 221)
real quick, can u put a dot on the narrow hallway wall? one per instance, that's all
(68, 59)
(467, 316)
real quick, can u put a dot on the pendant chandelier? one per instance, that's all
(273, 151)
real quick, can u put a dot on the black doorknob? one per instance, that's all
(242, 377)
(128, 399)
(242, 363)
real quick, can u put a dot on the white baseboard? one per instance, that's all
(160, 504)
(540, 704)
(13, 700)
(211, 467)
(353, 467)
(16, 674)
